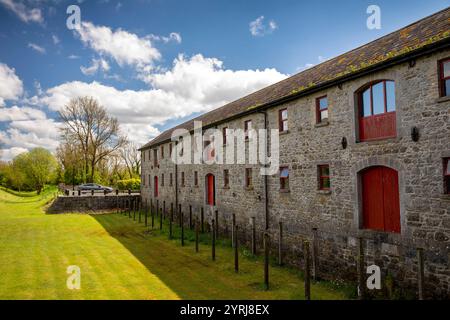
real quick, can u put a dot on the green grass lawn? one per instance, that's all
(121, 259)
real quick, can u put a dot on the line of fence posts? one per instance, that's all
(311, 258)
(307, 274)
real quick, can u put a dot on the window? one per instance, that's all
(162, 152)
(283, 120)
(324, 177)
(447, 175)
(171, 179)
(143, 180)
(209, 152)
(170, 150)
(162, 179)
(224, 135)
(226, 178)
(143, 156)
(196, 178)
(248, 177)
(182, 146)
(149, 180)
(284, 178)
(149, 155)
(247, 128)
(322, 109)
(182, 179)
(155, 157)
(377, 119)
(444, 77)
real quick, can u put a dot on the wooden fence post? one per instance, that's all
(182, 229)
(164, 210)
(315, 255)
(146, 214)
(253, 235)
(152, 212)
(213, 241)
(307, 271)
(129, 209)
(190, 217)
(216, 226)
(420, 273)
(236, 249)
(171, 211)
(360, 267)
(179, 215)
(160, 219)
(280, 243)
(202, 220)
(134, 209)
(266, 261)
(140, 207)
(196, 235)
(233, 224)
(170, 227)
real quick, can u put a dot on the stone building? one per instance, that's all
(364, 153)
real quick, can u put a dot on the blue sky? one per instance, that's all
(155, 63)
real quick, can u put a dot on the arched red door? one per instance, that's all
(155, 186)
(380, 197)
(210, 190)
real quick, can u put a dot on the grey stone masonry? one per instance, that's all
(336, 214)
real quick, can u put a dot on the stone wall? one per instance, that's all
(86, 204)
(424, 208)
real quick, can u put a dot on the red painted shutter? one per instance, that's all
(211, 189)
(391, 200)
(372, 185)
(381, 202)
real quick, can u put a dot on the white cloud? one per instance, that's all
(259, 28)
(173, 36)
(192, 85)
(39, 49)
(11, 87)
(19, 114)
(73, 57)
(29, 134)
(55, 39)
(320, 59)
(25, 14)
(95, 66)
(124, 47)
(11, 153)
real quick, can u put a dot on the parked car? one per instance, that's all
(95, 187)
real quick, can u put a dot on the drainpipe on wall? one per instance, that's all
(266, 186)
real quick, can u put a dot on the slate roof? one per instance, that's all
(418, 37)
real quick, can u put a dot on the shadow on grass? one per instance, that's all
(194, 275)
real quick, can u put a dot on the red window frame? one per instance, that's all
(246, 123)
(442, 90)
(318, 111)
(446, 175)
(284, 181)
(226, 178)
(224, 135)
(196, 178)
(248, 177)
(376, 126)
(283, 121)
(323, 177)
(182, 179)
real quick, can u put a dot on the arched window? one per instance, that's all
(377, 116)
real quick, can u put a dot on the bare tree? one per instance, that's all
(132, 158)
(96, 133)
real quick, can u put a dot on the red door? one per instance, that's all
(210, 191)
(155, 185)
(380, 196)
